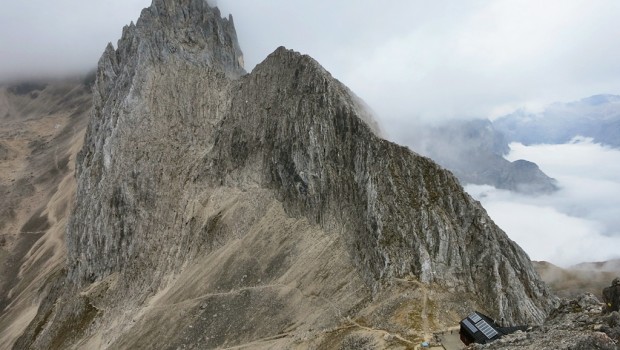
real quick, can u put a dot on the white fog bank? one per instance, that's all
(580, 222)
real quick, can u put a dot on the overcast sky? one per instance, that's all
(408, 59)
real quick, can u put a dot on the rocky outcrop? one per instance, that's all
(157, 100)
(611, 296)
(216, 209)
(576, 324)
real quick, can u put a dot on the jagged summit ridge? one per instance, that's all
(192, 27)
(216, 209)
(187, 30)
(169, 40)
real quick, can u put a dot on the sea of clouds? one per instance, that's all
(578, 223)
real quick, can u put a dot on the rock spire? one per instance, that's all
(216, 208)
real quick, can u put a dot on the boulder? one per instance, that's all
(611, 296)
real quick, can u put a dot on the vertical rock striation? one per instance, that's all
(156, 99)
(400, 213)
(267, 198)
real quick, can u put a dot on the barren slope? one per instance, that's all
(216, 209)
(41, 130)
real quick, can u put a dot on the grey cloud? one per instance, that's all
(55, 38)
(407, 59)
(420, 59)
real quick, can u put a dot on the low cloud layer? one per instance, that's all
(409, 59)
(579, 223)
(43, 38)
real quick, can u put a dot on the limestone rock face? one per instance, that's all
(403, 214)
(180, 49)
(217, 209)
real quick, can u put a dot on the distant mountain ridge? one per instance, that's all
(607, 266)
(588, 277)
(474, 151)
(596, 117)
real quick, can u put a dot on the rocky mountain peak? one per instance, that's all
(215, 209)
(305, 72)
(188, 31)
(193, 28)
